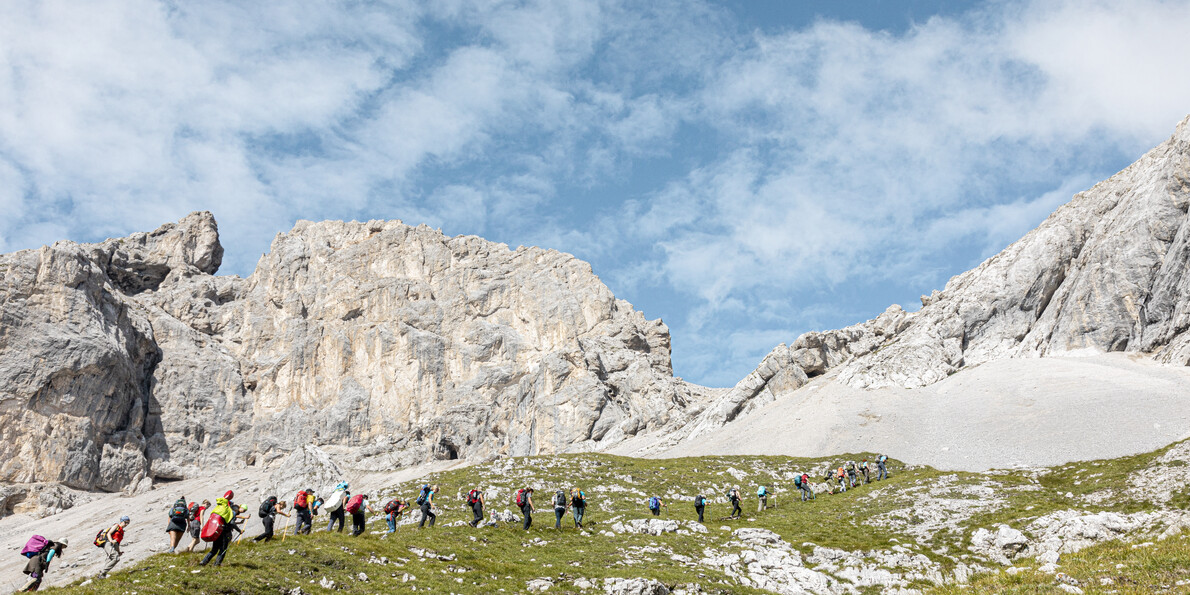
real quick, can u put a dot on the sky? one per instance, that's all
(745, 170)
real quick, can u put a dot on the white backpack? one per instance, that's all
(334, 501)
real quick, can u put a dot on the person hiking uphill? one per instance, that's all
(226, 510)
(195, 522)
(334, 505)
(393, 511)
(881, 471)
(863, 468)
(302, 503)
(475, 501)
(356, 507)
(700, 505)
(852, 478)
(40, 552)
(841, 476)
(734, 495)
(179, 515)
(656, 504)
(524, 501)
(803, 483)
(269, 509)
(560, 506)
(578, 506)
(762, 499)
(110, 540)
(426, 500)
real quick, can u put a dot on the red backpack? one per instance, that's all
(301, 500)
(353, 505)
(520, 497)
(213, 528)
(473, 497)
(392, 506)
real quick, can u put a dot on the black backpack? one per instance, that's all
(268, 506)
(179, 510)
(421, 498)
(560, 499)
(472, 497)
(700, 500)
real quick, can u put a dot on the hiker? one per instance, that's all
(559, 507)
(475, 501)
(426, 500)
(829, 479)
(863, 468)
(393, 510)
(734, 495)
(656, 504)
(762, 499)
(40, 552)
(301, 507)
(524, 501)
(851, 475)
(841, 476)
(700, 505)
(334, 505)
(195, 526)
(881, 472)
(179, 516)
(803, 483)
(220, 533)
(578, 506)
(269, 509)
(110, 539)
(356, 507)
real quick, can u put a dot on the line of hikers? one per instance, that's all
(223, 525)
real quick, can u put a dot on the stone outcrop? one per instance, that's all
(1109, 271)
(129, 360)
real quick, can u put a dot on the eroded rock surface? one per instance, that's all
(128, 361)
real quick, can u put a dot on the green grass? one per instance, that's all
(504, 558)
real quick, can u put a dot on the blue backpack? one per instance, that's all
(654, 503)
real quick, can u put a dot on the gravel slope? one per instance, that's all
(1033, 412)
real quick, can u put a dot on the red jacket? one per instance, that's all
(116, 534)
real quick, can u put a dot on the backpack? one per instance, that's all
(335, 501)
(424, 496)
(797, 480)
(560, 499)
(192, 512)
(101, 538)
(700, 500)
(392, 506)
(179, 510)
(883, 458)
(34, 546)
(762, 492)
(472, 497)
(520, 497)
(268, 506)
(213, 528)
(654, 503)
(355, 503)
(577, 498)
(301, 500)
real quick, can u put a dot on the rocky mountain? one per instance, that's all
(129, 361)
(1107, 272)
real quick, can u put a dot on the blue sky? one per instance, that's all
(747, 171)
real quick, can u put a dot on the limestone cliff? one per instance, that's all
(129, 361)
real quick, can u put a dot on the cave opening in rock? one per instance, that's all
(450, 451)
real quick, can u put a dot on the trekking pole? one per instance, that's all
(285, 531)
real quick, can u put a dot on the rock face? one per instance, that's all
(129, 359)
(1106, 272)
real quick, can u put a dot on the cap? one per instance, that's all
(125, 519)
(229, 495)
(65, 541)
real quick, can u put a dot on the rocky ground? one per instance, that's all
(1036, 530)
